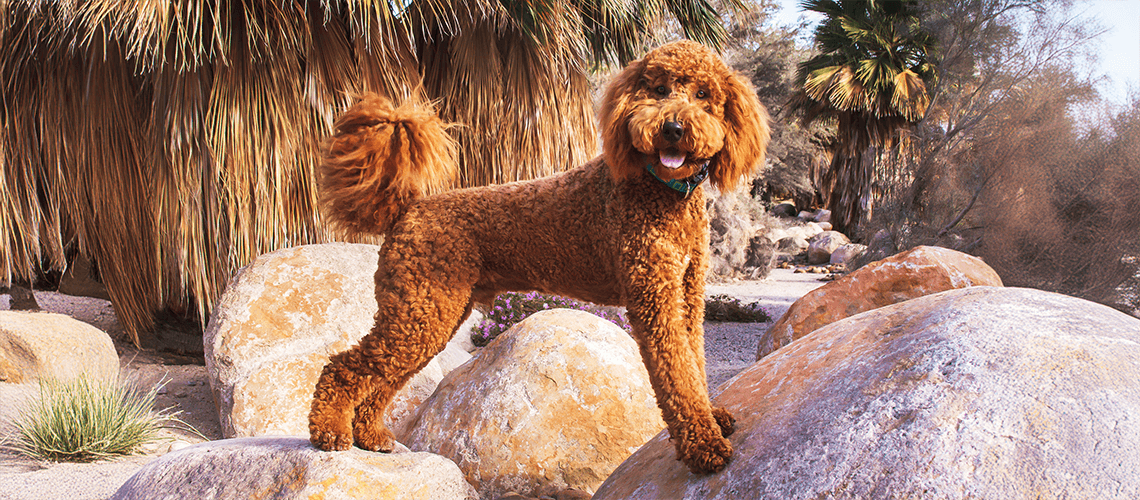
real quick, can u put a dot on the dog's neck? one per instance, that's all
(684, 186)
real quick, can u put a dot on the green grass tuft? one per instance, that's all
(85, 420)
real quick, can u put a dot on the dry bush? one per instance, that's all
(737, 246)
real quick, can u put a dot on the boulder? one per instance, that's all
(981, 392)
(805, 231)
(556, 402)
(287, 467)
(278, 323)
(761, 256)
(41, 345)
(775, 234)
(792, 244)
(784, 210)
(844, 254)
(914, 273)
(823, 244)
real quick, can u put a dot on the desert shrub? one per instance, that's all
(725, 308)
(85, 420)
(512, 307)
(735, 220)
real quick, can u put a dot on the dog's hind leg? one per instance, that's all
(421, 302)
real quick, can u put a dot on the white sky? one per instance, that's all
(1119, 47)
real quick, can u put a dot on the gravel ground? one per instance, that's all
(730, 347)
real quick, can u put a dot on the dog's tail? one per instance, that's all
(380, 158)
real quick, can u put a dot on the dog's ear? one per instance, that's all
(617, 146)
(746, 137)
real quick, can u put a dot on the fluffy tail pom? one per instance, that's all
(379, 159)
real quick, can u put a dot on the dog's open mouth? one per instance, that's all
(672, 159)
(678, 163)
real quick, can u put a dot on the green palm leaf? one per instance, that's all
(870, 79)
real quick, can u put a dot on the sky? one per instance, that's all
(1119, 46)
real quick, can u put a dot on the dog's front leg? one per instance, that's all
(661, 316)
(694, 290)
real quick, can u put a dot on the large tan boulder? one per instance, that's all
(288, 468)
(556, 402)
(920, 271)
(984, 392)
(278, 323)
(41, 345)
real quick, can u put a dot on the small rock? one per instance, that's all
(846, 253)
(792, 244)
(823, 244)
(784, 210)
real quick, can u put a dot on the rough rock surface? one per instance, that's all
(289, 468)
(983, 392)
(920, 271)
(556, 402)
(823, 244)
(278, 323)
(845, 253)
(39, 345)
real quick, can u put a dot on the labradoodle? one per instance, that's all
(628, 228)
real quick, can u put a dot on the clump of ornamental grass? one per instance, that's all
(85, 420)
(512, 307)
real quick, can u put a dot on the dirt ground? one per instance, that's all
(730, 347)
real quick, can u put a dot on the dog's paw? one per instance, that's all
(709, 457)
(330, 440)
(373, 437)
(329, 430)
(704, 450)
(725, 420)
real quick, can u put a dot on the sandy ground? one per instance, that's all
(730, 347)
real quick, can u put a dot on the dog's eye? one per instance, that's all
(661, 89)
(701, 94)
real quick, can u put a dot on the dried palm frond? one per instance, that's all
(172, 141)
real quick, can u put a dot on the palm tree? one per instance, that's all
(869, 79)
(173, 141)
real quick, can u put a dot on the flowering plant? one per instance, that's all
(512, 307)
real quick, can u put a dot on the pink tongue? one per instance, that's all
(672, 161)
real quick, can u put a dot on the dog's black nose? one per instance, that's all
(672, 131)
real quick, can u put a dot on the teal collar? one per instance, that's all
(687, 185)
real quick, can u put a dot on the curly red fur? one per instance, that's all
(727, 126)
(380, 158)
(606, 232)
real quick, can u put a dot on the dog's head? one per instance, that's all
(679, 109)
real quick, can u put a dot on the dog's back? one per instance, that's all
(551, 234)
